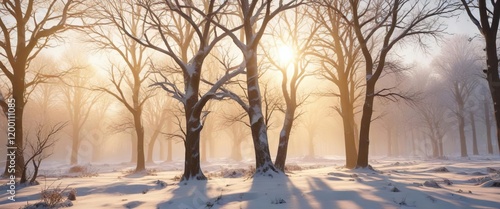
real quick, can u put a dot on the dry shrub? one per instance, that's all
(77, 169)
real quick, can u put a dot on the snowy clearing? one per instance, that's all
(319, 183)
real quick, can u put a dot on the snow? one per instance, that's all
(319, 184)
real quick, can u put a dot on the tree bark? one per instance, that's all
(169, 150)
(263, 162)
(192, 167)
(18, 91)
(133, 148)
(151, 146)
(75, 145)
(475, 150)
(284, 138)
(487, 122)
(139, 130)
(351, 154)
(461, 131)
(492, 75)
(364, 135)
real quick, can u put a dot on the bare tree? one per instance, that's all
(487, 23)
(156, 114)
(184, 32)
(379, 26)
(472, 119)
(487, 121)
(26, 30)
(433, 116)
(38, 149)
(78, 99)
(129, 73)
(288, 30)
(458, 64)
(255, 16)
(339, 55)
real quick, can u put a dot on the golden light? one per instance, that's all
(286, 54)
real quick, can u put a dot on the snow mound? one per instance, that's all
(491, 183)
(431, 183)
(440, 170)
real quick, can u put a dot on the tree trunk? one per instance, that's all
(169, 150)
(96, 148)
(440, 143)
(236, 151)
(389, 142)
(435, 147)
(75, 145)
(311, 152)
(487, 122)
(366, 118)
(463, 142)
(133, 148)
(263, 162)
(192, 167)
(139, 130)
(492, 74)
(18, 90)
(461, 130)
(151, 146)
(349, 129)
(475, 150)
(284, 138)
(413, 149)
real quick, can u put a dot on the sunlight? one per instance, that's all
(286, 54)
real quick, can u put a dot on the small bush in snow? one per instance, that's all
(278, 201)
(77, 169)
(395, 189)
(292, 167)
(84, 171)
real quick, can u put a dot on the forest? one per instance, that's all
(249, 104)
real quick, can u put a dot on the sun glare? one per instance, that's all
(286, 54)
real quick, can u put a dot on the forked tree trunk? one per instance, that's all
(263, 162)
(475, 150)
(151, 146)
(284, 138)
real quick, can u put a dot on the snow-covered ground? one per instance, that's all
(319, 183)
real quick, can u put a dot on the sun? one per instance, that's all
(285, 54)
